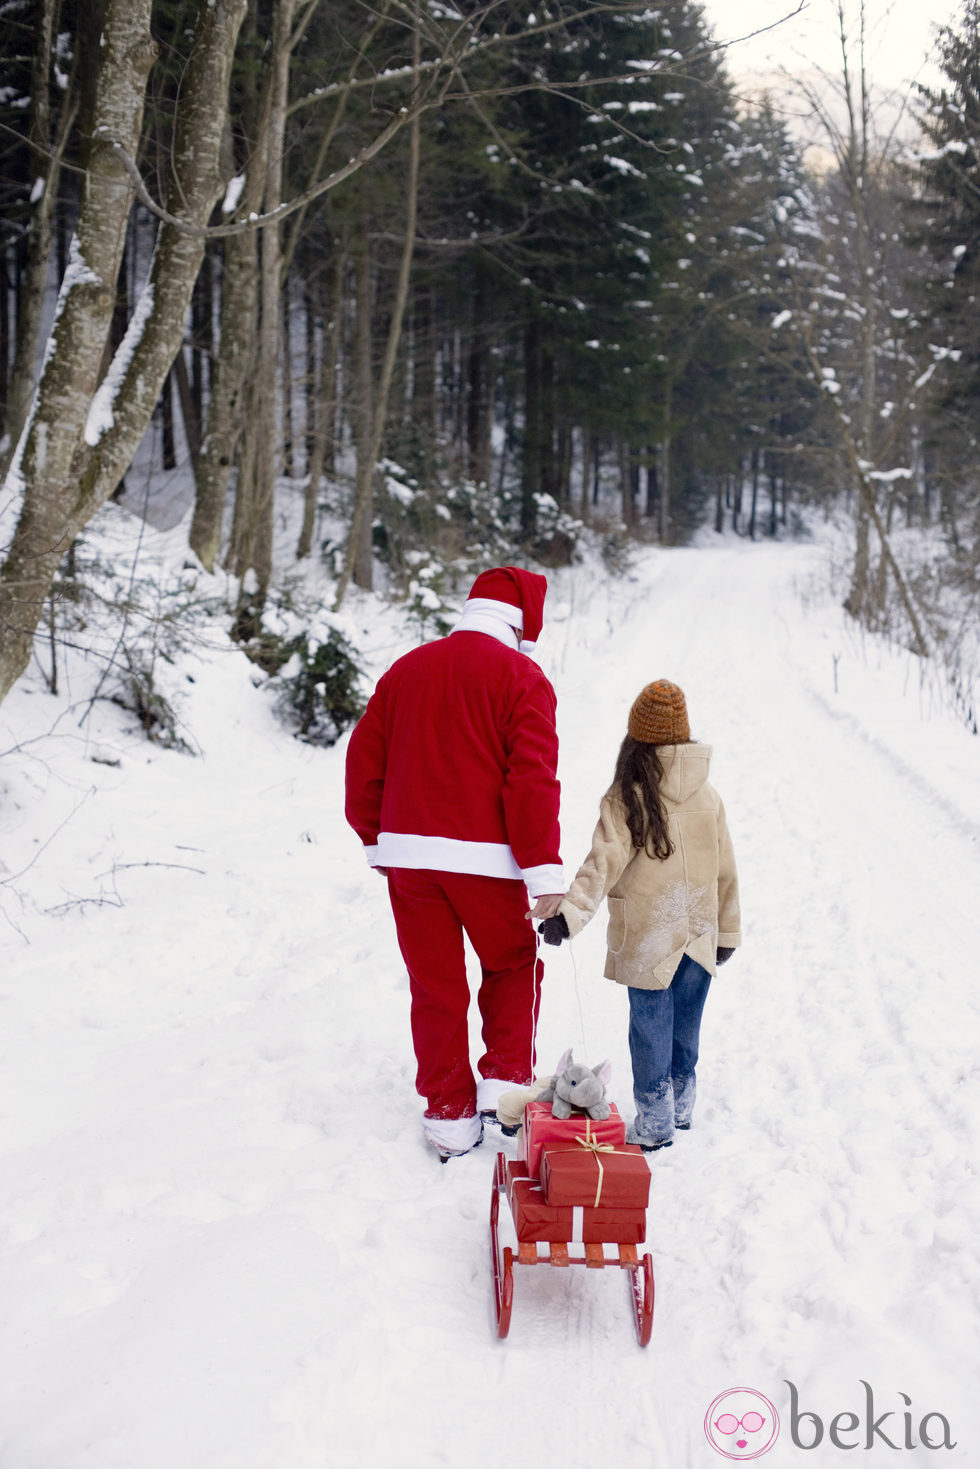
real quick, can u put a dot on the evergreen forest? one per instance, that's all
(432, 284)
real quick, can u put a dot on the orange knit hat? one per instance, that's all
(659, 715)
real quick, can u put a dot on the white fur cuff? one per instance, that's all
(489, 1090)
(453, 1134)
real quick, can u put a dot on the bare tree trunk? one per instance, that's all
(226, 408)
(920, 637)
(168, 457)
(322, 405)
(332, 338)
(254, 552)
(854, 164)
(531, 454)
(358, 558)
(313, 445)
(188, 409)
(549, 470)
(424, 374)
(232, 365)
(585, 482)
(311, 380)
(40, 231)
(156, 333)
(563, 463)
(653, 489)
(664, 473)
(4, 338)
(626, 484)
(77, 445)
(53, 447)
(288, 457)
(202, 338)
(477, 372)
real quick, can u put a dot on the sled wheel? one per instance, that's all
(502, 1264)
(641, 1286)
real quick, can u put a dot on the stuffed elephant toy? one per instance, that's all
(577, 1089)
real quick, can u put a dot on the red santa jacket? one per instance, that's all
(453, 765)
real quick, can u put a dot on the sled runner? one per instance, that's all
(547, 1240)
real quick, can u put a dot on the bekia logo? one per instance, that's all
(741, 1424)
(892, 1429)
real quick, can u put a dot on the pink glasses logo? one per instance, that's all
(741, 1424)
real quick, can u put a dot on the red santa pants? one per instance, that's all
(432, 910)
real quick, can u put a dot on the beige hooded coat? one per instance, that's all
(661, 910)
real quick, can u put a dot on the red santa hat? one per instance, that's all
(514, 594)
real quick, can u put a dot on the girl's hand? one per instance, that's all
(553, 930)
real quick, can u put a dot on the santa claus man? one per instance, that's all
(452, 788)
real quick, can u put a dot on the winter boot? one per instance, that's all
(489, 1090)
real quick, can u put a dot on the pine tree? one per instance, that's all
(950, 181)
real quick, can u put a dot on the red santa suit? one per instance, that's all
(452, 788)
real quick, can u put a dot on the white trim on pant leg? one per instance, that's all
(489, 1090)
(453, 1134)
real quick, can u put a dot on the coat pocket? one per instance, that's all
(616, 932)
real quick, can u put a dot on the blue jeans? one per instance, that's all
(663, 1035)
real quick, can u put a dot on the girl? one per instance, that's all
(662, 855)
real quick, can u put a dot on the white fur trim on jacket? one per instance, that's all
(544, 879)
(446, 854)
(453, 854)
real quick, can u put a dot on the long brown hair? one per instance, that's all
(637, 781)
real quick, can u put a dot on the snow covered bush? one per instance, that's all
(556, 535)
(317, 680)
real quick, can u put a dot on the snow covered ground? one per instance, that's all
(223, 1243)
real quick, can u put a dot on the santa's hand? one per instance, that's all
(546, 906)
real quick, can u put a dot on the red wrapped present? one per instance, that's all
(536, 1220)
(542, 1129)
(596, 1174)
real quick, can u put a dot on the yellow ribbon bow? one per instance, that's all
(595, 1147)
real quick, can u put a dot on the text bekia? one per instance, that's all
(894, 1429)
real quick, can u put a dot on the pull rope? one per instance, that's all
(578, 997)
(536, 997)
(536, 992)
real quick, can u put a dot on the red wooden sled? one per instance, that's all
(593, 1255)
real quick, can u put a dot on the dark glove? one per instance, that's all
(722, 956)
(553, 930)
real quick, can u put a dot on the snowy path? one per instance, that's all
(223, 1242)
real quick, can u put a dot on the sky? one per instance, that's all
(900, 34)
(786, 39)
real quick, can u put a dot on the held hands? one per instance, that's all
(553, 928)
(546, 906)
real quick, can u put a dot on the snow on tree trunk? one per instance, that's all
(45, 471)
(82, 434)
(40, 234)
